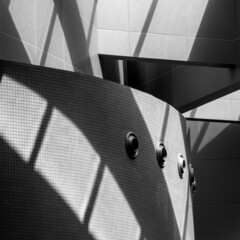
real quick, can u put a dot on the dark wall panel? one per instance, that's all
(216, 158)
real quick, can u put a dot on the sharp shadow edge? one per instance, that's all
(48, 38)
(200, 137)
(73, 29)
(165, 123)
(145, 28)
(209, 29)
(64, 85)
(94, 193)
(21, 52)
(40, 135)
(30, 208)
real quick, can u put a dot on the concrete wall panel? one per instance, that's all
(215, 157)
(220, 109)
(49, 32)
(90, 11)
(92, 59)
(237, 18)
(210, 51)
(215, 136)
(222, 218)
(199, 82)
(19, 20)
(75, 50)
(77, 5)
(113, 42)
(212, 19)
(222, 180)
(165, 24)
(1, 9)
(48, 60)
(235, 95)
(14, 49)
(164, 16)
(158, 46)
(112, 15)
(22, 111)
(185, 30)
(219, 236)
(56, 34)
(237, 49)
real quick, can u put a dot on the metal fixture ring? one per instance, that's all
(161, 154)
(192, 179)
(181, 165)
(131, 144)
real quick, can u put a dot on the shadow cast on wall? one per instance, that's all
(209, 46)
(77, 44)
(73, 28)
(33, 208)
(30, 207)
(212, 39)
(215, 157)
(17, 50)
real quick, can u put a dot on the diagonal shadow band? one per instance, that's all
(73, 29)
(30, 208)
(40, 135)
(77, 96)
(145, 28)
(48, 38)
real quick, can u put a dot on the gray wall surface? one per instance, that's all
(65, 172)
(215, 156)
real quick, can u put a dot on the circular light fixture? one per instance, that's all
(181, 165)
(191, 174)
(161, 154)
(131, 144)
(192, 179)
(193, 186)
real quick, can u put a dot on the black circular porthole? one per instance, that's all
(181, 165)
(131, 144)
(161, 154)
(191, 174)
(192, 179)
(193, 187)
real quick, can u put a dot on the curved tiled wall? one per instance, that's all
(65, 170)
